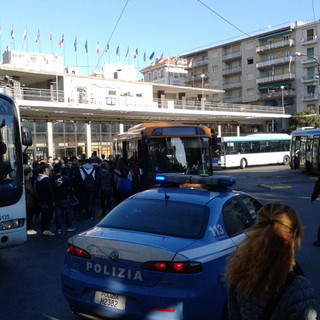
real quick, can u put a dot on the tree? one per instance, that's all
(305, 118)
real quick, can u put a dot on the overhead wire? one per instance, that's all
(114, 29)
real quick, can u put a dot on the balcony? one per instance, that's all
(309, 40)
(232, 71)
(200, 63)
(232, 85)
(275, 45)
(310, 78)
(275, 95)
(280, 77)
(308, 60)
(310, 97)
(274, 62)
(232, 56)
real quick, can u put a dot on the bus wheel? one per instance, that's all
(286, 160)
(243, 163)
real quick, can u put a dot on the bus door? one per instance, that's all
(315, 154)
(302, 153)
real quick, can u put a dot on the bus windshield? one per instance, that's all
(179, 154)
(10, 153)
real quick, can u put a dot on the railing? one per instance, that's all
(274, 95)
(268, 63)
(275, 45)
(230, 56)
(232, 70)
(310, 97)
(47, 95)
(215, 106)
(309, 40)
(199, 63)
(285, 76)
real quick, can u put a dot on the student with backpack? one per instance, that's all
(123, 181)
(62, 190)
(105, 186)
(89, 188)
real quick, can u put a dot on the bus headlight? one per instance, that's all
(12, 224)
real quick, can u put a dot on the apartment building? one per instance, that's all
(277, 67)
(172, 70)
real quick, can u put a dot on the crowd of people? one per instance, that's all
(58, 191)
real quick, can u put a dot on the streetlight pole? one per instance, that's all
(202, 93)
(282, 98)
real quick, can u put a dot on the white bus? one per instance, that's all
(12, 195)
(255, 149)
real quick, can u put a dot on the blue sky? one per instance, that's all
(171, 27)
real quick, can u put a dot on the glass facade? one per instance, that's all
(69, 138)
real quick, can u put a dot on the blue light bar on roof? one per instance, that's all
(213, 181)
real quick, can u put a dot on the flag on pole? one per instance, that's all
(25, 34)
(75, 44)
(190, 63)
(61, 41)
(98, 48)
(86, 46)
(37, 39)
(127, 52)
(161, 58)
(117, 51)
(12, 32)
(151, 55)
(107, 49)
(135, 54)
(24, 37)
(144, 56)
(50, 37)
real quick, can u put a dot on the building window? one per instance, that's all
(310, 34)
(250, 60)
(310, 52)
(112, 92)
(215, 69)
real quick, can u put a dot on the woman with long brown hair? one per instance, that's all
(259, 273)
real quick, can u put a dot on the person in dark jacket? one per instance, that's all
(31, 200)
(105, 185)
(45, 196)
(62, 191)
(260, 272)
(314, 196)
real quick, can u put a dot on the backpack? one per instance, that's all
(89, 181)
(105, 182)
(125, 185)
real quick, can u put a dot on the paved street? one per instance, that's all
(30, 274)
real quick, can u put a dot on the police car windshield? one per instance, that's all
(163, 217)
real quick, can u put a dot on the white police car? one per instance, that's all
(161, 253)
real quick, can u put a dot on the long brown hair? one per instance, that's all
(266, 255)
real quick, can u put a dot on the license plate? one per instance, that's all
(110, 300)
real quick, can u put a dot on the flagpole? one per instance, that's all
(51, 43)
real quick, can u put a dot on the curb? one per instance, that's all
(265, 186)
